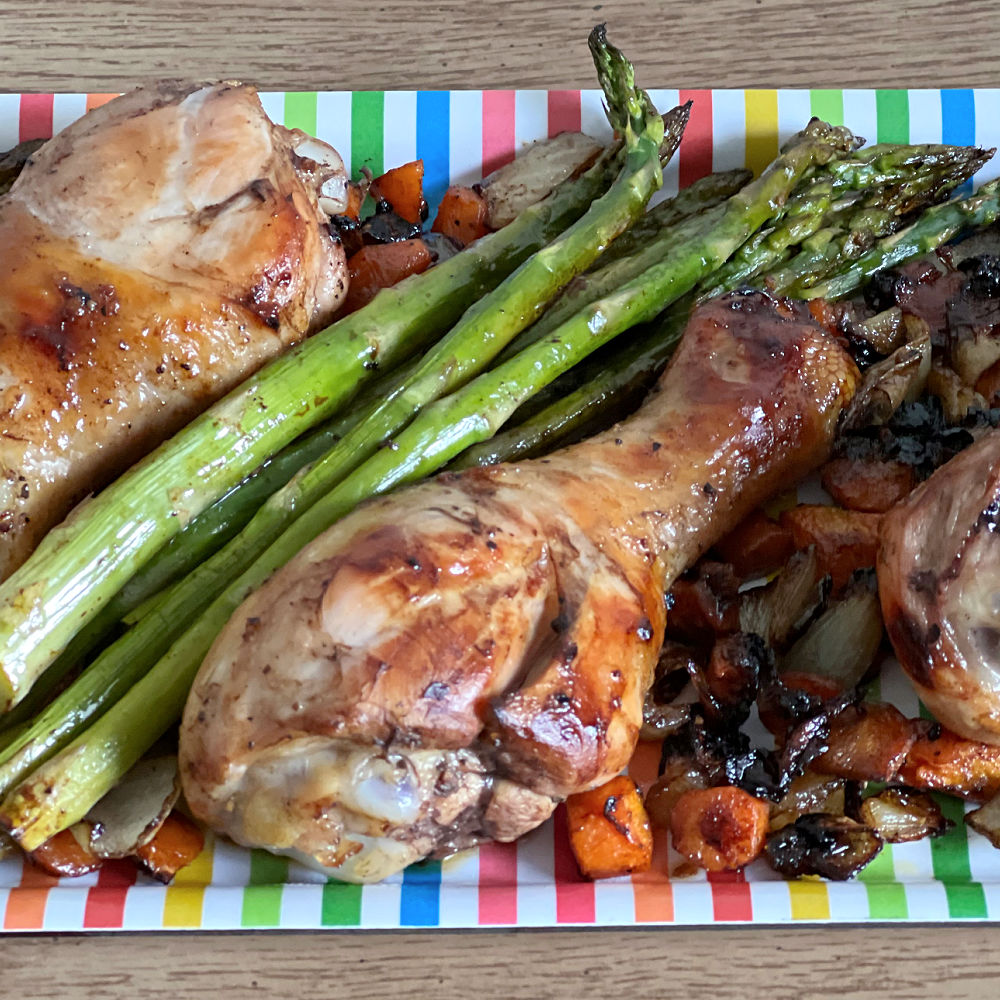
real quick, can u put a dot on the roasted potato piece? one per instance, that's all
(870, 742)
(845, 540)
(719, 829)
(757, 546)
(867, 484)
(609, 830)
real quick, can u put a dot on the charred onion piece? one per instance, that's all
(899, 815)
(820, 844)
(843, 642)
(775, 612)
(809, 793)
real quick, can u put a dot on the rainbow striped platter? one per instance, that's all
(462, 135)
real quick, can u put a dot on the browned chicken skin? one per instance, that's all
(155, 253)
(446, 663)
(939, 583)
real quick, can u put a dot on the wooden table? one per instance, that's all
(101, 45)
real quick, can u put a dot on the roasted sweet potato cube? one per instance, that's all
(756, 546)
(383, 265)
(609, 830)
(950, 763)
(845, 540)
(867, 484)
(403, 188)
(176, 844)
(462, 215)
(719, 829)
(868, 742)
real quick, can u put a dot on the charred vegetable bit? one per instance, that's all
(835, 847)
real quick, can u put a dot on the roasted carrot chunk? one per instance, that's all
(462, 215)
(176, 844)
(403, 188)
(719, 829)
(64, 856)
(845, 540)
(756, 546)
(380, 266)
(951, 763)
(873, 486)
(869, 742)
(609, 830)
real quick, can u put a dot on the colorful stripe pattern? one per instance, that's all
(459, 135)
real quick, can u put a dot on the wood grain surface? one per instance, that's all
(100, 45)
(804, 964)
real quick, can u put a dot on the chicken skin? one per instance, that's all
(156, 252)
(939, 584)
(447, 663)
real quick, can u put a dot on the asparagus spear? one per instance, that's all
(888, 163)
(865, 217)
(608, 388)
(934, 228)
(82, 563)
(703, 194)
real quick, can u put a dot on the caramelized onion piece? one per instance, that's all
(820, 844)
(843, 642)
(899, 815)
(809, 793)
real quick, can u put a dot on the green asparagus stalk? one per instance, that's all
(63, 789)
(608, 389)
(933, 229)
(703, 194)
(888, 163)
(82, 563)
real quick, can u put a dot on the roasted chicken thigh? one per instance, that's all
(155, 253)
(447, 663)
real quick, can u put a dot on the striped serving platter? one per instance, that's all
(461, 136)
